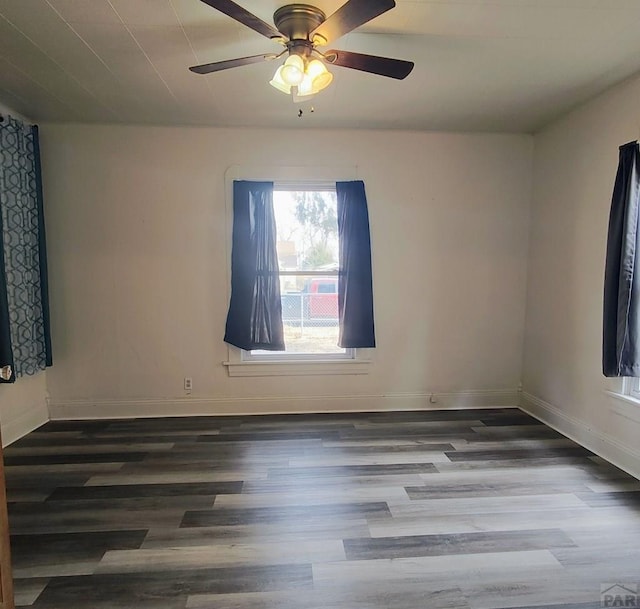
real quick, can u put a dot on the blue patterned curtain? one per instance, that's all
(24, 305)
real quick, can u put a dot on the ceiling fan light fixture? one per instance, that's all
(293, 70)
(278, 83)
(300, 28)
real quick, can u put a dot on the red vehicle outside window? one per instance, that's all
(323, 297)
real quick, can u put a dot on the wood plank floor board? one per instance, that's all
(315, 496)
(221, 555)
(557, 591)
(423, 447)
(377, 469)
(373, 458)
(130, 491)
(199, 424)
(583, 462)
(156, 474)
(464, 509)
(422, 508)
(345, 483)
(28, 590)
(82, 427)
(489, 489)
(103, 506)
(547, 452)
(44, 549)
(88, 519)
(213, 461)
(605, 486)
(515, 418)
(455, 543)
(45, 481)
(460, 473)
(309, 512)
(114, 457)
(603, 522)
(43, 440)
(431, 431)
(514, 443)
(167, 589)
(535, 430)
(90, 449)
(19, 473)
(397, 597)
(606, 499)
(445, 565)
(289, 531)
(269, 436)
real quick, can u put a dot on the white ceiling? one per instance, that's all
(481, 65)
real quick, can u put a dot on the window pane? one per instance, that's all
(310, 315)
(307, 230)
(308, 241)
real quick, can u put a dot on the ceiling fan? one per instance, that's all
(301, 29)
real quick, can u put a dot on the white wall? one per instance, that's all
(5, 110)
(139, 280)
(23, 405)
(575, 166)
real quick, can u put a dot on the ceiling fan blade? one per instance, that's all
(208, 68)
(349, 16)
(384, 66)
(235, 11)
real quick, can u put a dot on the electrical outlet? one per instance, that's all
(188, 383)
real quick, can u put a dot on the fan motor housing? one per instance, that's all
(297, 21)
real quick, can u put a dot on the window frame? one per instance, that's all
(283, 356)
(243, 363)
(631, 387)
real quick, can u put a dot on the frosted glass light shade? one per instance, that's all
(293, 70)
(304, 91)
(279, 83)
(305, 88)
(320, 76)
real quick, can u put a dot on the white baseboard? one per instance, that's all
(194, 406)
(625, 457)
(14, 428)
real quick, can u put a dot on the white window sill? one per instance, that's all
(623, 397)
(627, 406)
(297, 368)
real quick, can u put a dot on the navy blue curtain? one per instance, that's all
(6, 353)
(25, 339)
(43, 267)
(254, 320)
(621, 323)
(355, 284)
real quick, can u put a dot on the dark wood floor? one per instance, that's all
(410, 510)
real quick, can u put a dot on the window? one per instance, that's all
(307, 246)
(308, 276)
